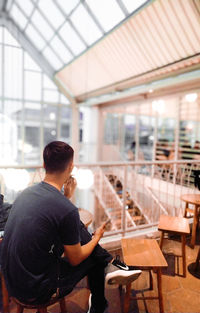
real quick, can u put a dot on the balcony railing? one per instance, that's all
(132, 194)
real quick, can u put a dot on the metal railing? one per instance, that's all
(148, 189)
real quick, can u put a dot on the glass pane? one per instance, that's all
(72, 39)
(26, 6)
(55, 17)
(1, 30)
(13, 72)
(62, 51)
(32, 86)
(42, 25)
(32, 115)
(51, 96)
(85, 25)
(65, 123)
(0, 74)
(50, 125)
(133, 5)
(29, 64)
(102, 9)
(64, 100)
(67, 6)
(146, 136)
(48, 83)
(9, 39)
(18, 16)
(53, 59)
(11, 132)
(34, 36)
(129, 137)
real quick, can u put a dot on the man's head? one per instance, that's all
(58, 157)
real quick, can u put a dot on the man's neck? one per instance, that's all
(54, 181)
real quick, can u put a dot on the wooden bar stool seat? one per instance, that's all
(40, 308)
(175, 225)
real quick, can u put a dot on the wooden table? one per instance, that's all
(146, 254)
(175, 225)
(85, 216)
(195, 200)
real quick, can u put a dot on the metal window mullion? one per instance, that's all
(42, 119)
(71, 23)
(57, 34)
(122, 7)
(90, 12)
(26, 16)
(3, 86)
(51, 26)
(23, 109)
(9, 5)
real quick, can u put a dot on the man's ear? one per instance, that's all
(43, 165)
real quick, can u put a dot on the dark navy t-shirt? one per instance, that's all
(41, 221)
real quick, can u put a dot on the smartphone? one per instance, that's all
(107, 222)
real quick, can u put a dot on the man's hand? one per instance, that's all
(99, 231)
(69, 187)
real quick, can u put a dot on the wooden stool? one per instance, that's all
(146, 254)
(40, 308)
(175, 225)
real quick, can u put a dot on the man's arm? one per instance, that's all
(77, 253)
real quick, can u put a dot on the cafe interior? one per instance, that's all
(118, 80)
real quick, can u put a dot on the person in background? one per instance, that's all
(42, 225)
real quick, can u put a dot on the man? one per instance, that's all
(43, 224)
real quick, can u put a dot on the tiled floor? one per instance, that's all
(181, 295)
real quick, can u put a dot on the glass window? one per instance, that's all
(129, 137)
(48, 83)
(29, 64)
(111, 131)
(13, 72)
(32, 121)
(61, 49)
(1, 30)
(26, 6)
(52, 58)
(55, 17)
(32, 86)
(18, 16)
(65, 123)
(102, 10)
(64, 99)
(85, 25)
(9, 39)
(50, 123)
(35, 37)
(51, 96)
(0, 72)
(12, 133)
(72, 39)
(133, 5)
(67, 6)
(43, 27)
(146, 136)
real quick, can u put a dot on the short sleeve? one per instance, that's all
(70, 228)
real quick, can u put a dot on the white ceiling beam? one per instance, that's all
(7, 21)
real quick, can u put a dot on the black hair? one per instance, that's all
(57, 155)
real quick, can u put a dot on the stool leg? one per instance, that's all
(20, 308)
(161, 239)
(160, 297)
(63, 308)
(5, 296)
(183, 254)
(186, 207)
(127, 298)
(194, 227)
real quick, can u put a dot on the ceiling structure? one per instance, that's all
(93, 47)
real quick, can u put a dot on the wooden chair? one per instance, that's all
(175, 225)
(41, 308)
